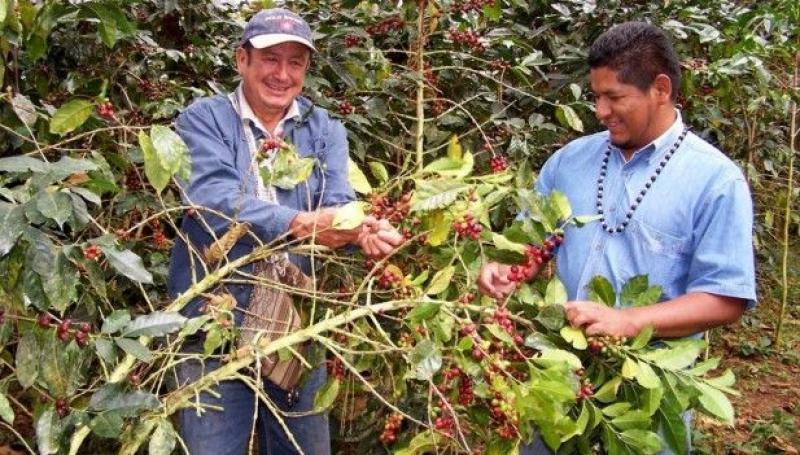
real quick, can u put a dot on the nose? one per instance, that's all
(282, 71)
(602, 110)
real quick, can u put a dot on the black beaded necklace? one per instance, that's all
(604, 170)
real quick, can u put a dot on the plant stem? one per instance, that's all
(420, 82)
(788, 209)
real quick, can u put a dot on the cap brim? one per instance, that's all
(262, 41)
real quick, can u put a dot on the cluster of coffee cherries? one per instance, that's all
(385, 26)
(465, 6)
(498, 163)
(468, 38)
(154, 91)
(466, 394)
(534, 257)
(504, 415)
(499, 64)
(587, 389)
(382, 207)
(345, 108)
(92, 253)
(393, 280)
(62, 407)
(607, 345)
(106, 110)
(467, 226)
(160, 239)
(335, 368)
(393, 423)
(64, 330)
(352, 40)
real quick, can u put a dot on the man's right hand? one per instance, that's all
(319, 224)
(493, 280)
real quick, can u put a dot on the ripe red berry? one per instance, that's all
(44, 320)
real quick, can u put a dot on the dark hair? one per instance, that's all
(638, 52)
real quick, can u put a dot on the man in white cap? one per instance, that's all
(228, 137)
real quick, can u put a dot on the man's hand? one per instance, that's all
(493, 280)
(599, 319)
(378, 238)
(319, 225)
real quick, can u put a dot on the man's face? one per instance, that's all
(273, 76)
(630, 114)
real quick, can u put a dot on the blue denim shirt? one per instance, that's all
(222, 179)
(692, 232)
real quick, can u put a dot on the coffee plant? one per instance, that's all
(451, 106)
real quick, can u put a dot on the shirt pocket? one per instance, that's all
(662, 256)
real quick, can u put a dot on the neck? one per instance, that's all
(660, 125)
(267, 116)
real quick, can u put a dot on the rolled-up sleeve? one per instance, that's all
(724, 262)
(217, 184)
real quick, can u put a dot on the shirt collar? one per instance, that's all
(247, 114)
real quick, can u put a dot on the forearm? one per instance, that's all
(688, 314)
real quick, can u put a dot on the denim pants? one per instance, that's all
(226, 429)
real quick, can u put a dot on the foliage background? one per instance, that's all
(522, 90)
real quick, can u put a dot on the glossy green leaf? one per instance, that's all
(567, 117)
(134, 348)
(55, 205)
(349, 216)
(24, 109)
(646, 376)
(48, 430)
(441, 280)
(715, 403)
(502, 243)
(646, 441)
(555, 293)
(601, 291)
(426, 360)
(574, 336)
(643, 338)
(552, 317)
(357, 178)
(70, 116)
(23, 164)
(154, 324)
(632, 419)
(423, 312)
(629, 368)
(156, 173)
(379, 171)
(115, 321)
(128, 263)
(6, 413)
(12, 224)
(163, 439)
(327, 395)
(107, 424)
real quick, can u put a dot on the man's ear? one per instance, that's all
(662, 87)
(241, 58)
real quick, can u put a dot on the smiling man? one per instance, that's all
(231, 139)
(670, 205)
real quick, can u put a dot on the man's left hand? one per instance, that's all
(599, 319)
(379, 238)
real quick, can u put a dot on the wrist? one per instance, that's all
(636, 321)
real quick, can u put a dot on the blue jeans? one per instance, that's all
(227, 430)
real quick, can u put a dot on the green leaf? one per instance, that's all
(670, 419)
(357, 178)
(288, 169)
(502, 243)
(725, 381)
(558, 358)
(638, 292)
(379, 171)
(715, 403)
(555, 294)
(48, 429)
(567, 117)
(704, 367)
(601, 291)
(113, 397)
(448, 167)
(559, 204)
(349, 216)
(128, 263)
(632, 419)
(155, 172)
(426, 360)
(154, 324)
(115, 321)
(644, 440)
(6, 413)
(326, 396)
(651, 400)
(629, 368)
(23, 163)
(574, 336)
(55, 205)
(27, 358)
(608, 391)
(646, 376)
(70, 116)
(423, 443)
(441, 280)
(12, 224)
(552, 317)
(677, 355)
(423, 312)
(617, 409)
(134, 348)
(454, 150)
(24, 109)
(170, 149)
(107, 424)
(163, 439)
(643, 338)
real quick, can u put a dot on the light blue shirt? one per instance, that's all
(692, 232)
